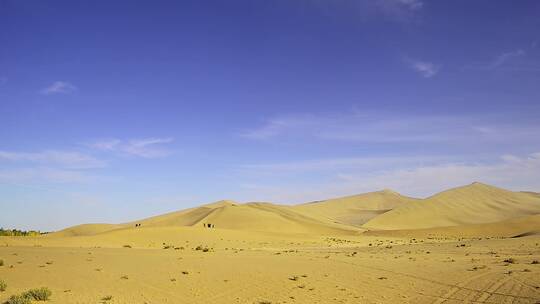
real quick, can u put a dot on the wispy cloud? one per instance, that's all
(409, 176)
(64, 159)
(43, 175)
(146, 147)
(337, 164)
(515, 60)
(504, 57)
(59, 87)
(399, 10)
(514, 172)
(380, 128)
(279, 125)
(389, 10)
(426, 69)
(49, 166)
(412, 5)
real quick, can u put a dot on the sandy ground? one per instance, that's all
(271, 268)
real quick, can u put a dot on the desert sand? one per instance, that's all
(473, 244)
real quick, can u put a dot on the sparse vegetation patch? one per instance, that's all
(38, 294)
(18, 299)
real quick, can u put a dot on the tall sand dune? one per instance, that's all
(382, 210)
(476, 203)
(356, 209)
(256, 217)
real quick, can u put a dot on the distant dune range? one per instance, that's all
(357, 209)
(472, 244)
(476, 203)
(473, 210)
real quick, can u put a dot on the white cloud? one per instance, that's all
(146, 147)
(64, 159)
(43, 175)
(508, 61)
(399, 7)
(411, 4)
(59, 87)
(408, 177)
(426, 69)
(386, 128)
(276, 126)
(513, 172)
(504, 57)
(337, 164)
(399, 10)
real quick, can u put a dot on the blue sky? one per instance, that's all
(116, 110)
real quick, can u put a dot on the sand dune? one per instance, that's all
(382, 210)
(356, 209)
(268, 253)
(256, 217)
(472, 204)
(270, 217)
(85, 229)
(515, 227)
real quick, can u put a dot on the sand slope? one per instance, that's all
(267, 253)
(164, 266)
(270, 217)
(255, 217)
(382, 210)
(356, 209)
(85, 229)
(473, 204)
(515, 227)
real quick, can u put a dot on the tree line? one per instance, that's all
(16, 232)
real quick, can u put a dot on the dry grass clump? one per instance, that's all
(3, 285)
(1, 262)
(36, 294)
(18, 299)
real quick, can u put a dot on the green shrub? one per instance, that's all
(3, 285)
(38, 294)
(18, 299)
